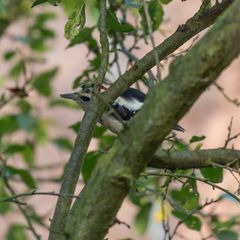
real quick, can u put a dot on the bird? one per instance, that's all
(123, 109)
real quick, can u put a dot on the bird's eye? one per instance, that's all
(87, 90)
(85, 99)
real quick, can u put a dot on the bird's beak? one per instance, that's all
(68, 95)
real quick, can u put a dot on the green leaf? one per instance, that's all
(28, 154)
(68, 5)
(112, 23)
(75, 126)
(4, 206)
(63, 143)
(76, 21)
(42, 18)
(191, 221)
(187, 197)
(17, 69)
(99, 131)
(38, 34)
(52, 2)
(42, 82)
(24, 106)
(135, 195)
(2, 81)
(11, 123)
(23, 174)
(84, 36)
(14, 148)
(213, 174)
(226, 235)
(142, 218)
(89, 164)
(63, 103)
(38, 2)
(8, 124)
(96, 62)
(155, 12)
(224, 225)
(165, 1)
(27, 122)
(16, 232)
(178, 145)
(197, 138)
(41, 133)
(26, 150)
(107, 141)
(9, 55)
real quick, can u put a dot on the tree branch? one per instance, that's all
(200, 21)
(195, 159)
(117, 170)
(96, 107)
(14, 197)
(24, 213)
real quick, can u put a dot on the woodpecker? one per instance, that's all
(123, 108)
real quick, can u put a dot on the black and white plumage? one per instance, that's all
(129, 103)
(125, 106)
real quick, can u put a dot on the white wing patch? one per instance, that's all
(131, 104)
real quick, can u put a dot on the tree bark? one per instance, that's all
(195, 159)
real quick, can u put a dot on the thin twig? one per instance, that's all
(229, 137)
(5, 100)
(230, 169)
(34, 192)
(148, 20)
(207, 203)
(133, 58)
(24, 213)
(117, 221)
(194, 178)
(234, 101)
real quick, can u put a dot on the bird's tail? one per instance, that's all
(179, 128)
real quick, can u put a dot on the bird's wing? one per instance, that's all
(134, 93)
(132, 99)
(131, 104)
(123, 112)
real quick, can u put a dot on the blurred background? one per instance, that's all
(210, 117)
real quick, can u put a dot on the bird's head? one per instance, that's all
(84, 94)
(82, 97)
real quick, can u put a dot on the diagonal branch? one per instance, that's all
(83, 139)
(166, 103)
(24, 213)
(200, 21)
